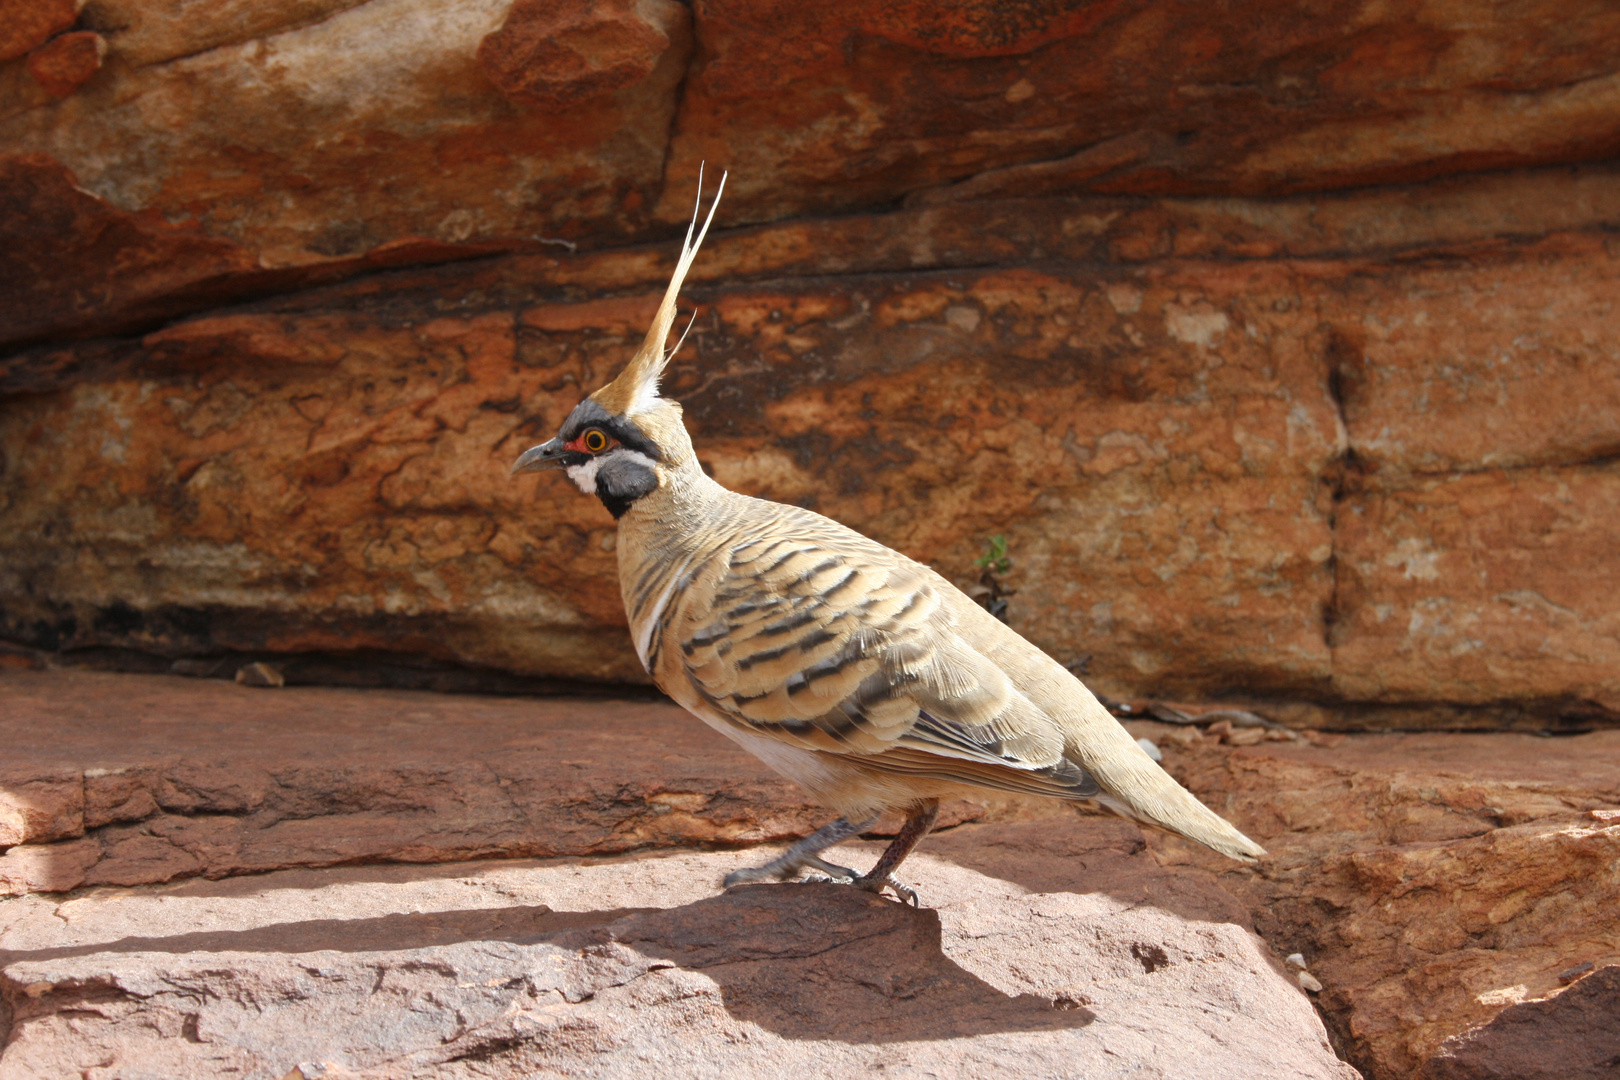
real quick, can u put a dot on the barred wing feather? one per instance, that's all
(827, 640)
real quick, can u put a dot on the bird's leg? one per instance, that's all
(881, 876)
(806, 852)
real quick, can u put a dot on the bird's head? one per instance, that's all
(624, 441)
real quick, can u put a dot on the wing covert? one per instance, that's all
(838, 651)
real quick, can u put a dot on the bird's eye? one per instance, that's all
(595, 441)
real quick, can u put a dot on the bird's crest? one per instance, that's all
(636, 388)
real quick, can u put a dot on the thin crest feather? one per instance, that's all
(636, 388)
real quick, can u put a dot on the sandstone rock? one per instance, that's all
(315, 131)
(168, 778)
(148, 33)
(67, 62)
(47, 291)
(1044, 953)
(1574, 1035)
(561, 54)
(36, 807)
(311, 132)
(1491, 584)
(25, 24)
(1160, 444)
(1427, 882)
(345, 474)
(866, 103)
(259, 673)
(1430, 881)
(70, 256)
(1455, 376)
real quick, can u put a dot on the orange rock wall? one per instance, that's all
(1077, 274)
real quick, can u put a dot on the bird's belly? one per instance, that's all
(834, 781)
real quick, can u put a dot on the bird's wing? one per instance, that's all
(829, 641)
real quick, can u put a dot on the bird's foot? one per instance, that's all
(840, 875)
(783, 869)
(843, 875)
(806, 852)
(903, 892)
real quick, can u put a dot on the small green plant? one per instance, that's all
(995, 555)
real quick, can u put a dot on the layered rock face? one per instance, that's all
(1107, 279)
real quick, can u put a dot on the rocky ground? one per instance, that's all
(211, 879)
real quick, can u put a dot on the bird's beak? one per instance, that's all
(548, 455)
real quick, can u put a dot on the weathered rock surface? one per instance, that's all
(313, 131)
(120, 780)
(1493, 585)
(1157, 97)
(1431, 881)
(1101, 963)
(1574, 1036)
(1163, 444)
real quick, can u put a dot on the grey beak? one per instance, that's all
(548, 455)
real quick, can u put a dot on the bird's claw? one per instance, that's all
(842, 875)
(903, 892)
(827, 873)
(823, 879)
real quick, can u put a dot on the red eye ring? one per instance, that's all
(591, 441)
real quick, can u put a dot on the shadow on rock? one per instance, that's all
(824, 961)
(807, 961)
(1086, 853)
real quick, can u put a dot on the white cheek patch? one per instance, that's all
(584, 476)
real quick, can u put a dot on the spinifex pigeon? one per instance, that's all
(861, 675)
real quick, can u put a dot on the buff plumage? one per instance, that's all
(858, 673)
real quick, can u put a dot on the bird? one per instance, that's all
(860, 674)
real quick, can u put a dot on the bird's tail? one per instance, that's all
(1134, 786)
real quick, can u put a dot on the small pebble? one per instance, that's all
(1242, 718)
(1152, 750)
(259, 673)
(1307, 981)
(1297, 959)
(1182, 736)
(1569, 976)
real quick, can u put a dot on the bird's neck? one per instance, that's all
(662, 537)
(675, 519)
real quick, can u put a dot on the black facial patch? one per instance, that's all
(621, 480)
(589, 414)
